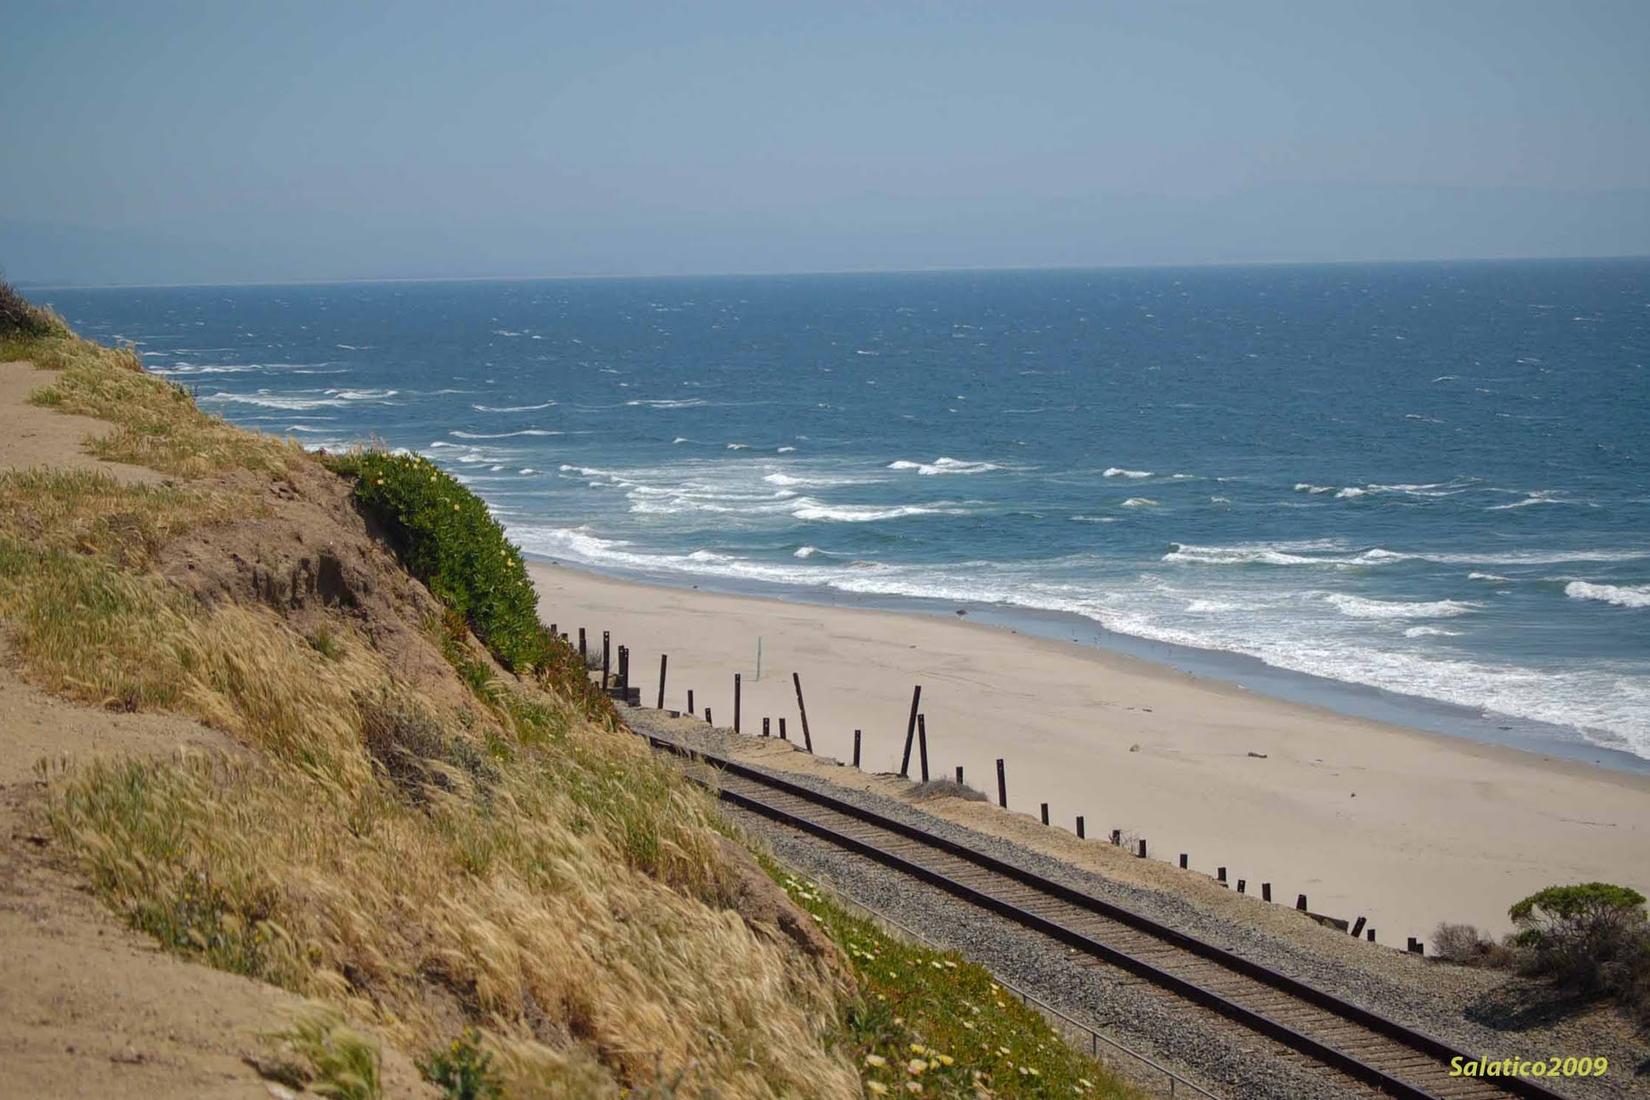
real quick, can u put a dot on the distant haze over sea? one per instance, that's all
(1431, 479)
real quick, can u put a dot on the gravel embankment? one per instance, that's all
(1430, 995)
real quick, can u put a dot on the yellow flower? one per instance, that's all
(875, 1060)
(876, 1088)
(915, 1067)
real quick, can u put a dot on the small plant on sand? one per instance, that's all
(1465, 945)
(344, 1062)
(463, 1070)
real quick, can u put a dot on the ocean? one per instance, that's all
(1418, 492)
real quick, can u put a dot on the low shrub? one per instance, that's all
(463, 1070)
(22, 318)
(1465, 945)
(449, 540)
(1592, 938)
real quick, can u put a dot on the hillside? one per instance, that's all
(295, 721)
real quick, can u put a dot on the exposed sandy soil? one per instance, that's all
(89, 1007)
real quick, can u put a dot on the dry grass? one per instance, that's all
(508, 865)
(157, 423)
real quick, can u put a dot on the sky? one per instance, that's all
(149, 142)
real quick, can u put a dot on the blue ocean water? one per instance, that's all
(1428, 479)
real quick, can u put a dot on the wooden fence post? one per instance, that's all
(910, 734)
(922, 744)
(1220, 874)
(664, 660)
(1300, 902)
(607, 654)
(1266, 891)
(1242, 884)
(584, 657)
(1184, 859)
(1358, 928)
(765, 727)
(1002, 785)
(960, 782)
(708, 722)
(856, 748)
(690, 701)
(735, 702)
(1045, 813)
(802, 710)
(783, 736)
(1079, 826)
(1141, 854)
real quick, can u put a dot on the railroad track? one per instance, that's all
(1366, 1046)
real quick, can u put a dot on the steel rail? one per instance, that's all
(1261, 1022)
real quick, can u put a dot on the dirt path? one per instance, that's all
(89, 1007)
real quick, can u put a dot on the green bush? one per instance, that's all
(446, 538)
(23, 319)
(463, 1070)
(1592, 938)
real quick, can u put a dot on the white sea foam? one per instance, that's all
(784, 450)
(805, 551)
(512, 408)
(739, 446)
(501, 435)
(1308, 487)
(943, 465)
(1140, 502)
(670, 402)
(1351, 492)
(1539, 496)
(1362, 607)
(1118, 471)
(810, 509)
(1430, 632)
(1620, 595)
(1475, 575)
(681, 439)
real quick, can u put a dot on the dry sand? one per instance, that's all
(1404, 827)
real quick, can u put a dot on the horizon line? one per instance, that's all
(362, 280)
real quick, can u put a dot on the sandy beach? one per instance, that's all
(1404, 827)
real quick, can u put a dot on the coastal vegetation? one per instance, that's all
(422, 815)
(1590, 940)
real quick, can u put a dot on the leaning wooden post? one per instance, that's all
(1002, 785)
(856, 748)
(1266, 891)
(922, 744)
(1220, 874)
(802, 709)
(664, 659)
(1045, 813)
(1242, 883)
(1369, 934)
(1358, 928)
(910, 734)
(1079, 826)
(735, 702)
(1300, 902)
(782, 734)
(624, 667)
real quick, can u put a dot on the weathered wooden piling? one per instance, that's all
(1220, 874)
(1300, 902)
(922, 745)
(1369, 934)
(664, 660)
(1266, 891)
(1117, 838)
(910, 733)
(960, 782)
(1141, 854)
(802, 712)
(1184, 860)
(1079, 826)
(856, 748)
(1002, 785)
(736, 702)
(783, 736)
(1242, 884)
(765, 727)
(1045, 813)
(607, 657)
(708, 722)
(584, 657)
(1358, 928)
(690, 702)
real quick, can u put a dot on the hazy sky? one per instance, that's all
(150, 142)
